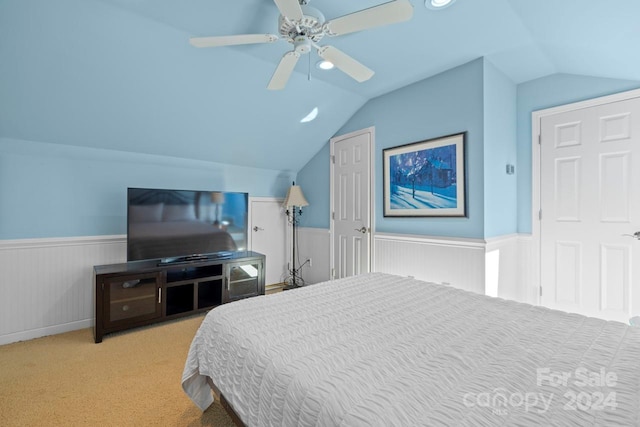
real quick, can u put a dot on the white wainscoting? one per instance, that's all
(508, 267)
(499, 266)
(313, 244)
(528, 276)
(502, 263)
(457, 262)
(47, 284)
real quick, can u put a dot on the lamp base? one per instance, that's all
(294, 280)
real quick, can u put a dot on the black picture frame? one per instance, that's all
(426, 178)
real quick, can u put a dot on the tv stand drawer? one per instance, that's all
(132, 308)
(128, 289)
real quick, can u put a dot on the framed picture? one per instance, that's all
(426, 178)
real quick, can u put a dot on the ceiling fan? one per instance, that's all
(304, 26)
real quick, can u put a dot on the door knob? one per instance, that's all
(362, 230)
(256, 228)
(635, 235)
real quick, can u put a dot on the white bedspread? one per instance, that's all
(382, 350)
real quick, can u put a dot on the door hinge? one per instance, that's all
(333, 273)
(333, 159)
(539, 139)
(540, 215)
(333, 216)
(540, 290)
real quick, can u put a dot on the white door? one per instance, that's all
(590, 203)
(351, 203)
(268, 230)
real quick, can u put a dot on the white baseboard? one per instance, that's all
(46, 331)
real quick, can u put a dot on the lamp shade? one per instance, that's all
(295, 197)
(217, 197)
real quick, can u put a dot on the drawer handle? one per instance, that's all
(125, 307)
(131, 284)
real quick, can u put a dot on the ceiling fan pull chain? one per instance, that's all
(309, 68)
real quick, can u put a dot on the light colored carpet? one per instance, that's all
(130, 379)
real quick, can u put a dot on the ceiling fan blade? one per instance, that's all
(345, 63)
(384, 14)
(283, 72)
(232, 40)
(290, 8)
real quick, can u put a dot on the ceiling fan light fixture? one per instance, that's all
(325, 65)
(438, 4)
(311, 116)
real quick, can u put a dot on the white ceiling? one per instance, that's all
(120, 74)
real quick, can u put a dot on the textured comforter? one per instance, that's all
(391, 351)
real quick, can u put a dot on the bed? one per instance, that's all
(385, 350)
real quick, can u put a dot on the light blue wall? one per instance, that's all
(314, 181)
(52, 190)
(496, 108)
(547, 92)
(448, 103)
(500, 189)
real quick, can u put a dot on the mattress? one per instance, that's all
(384, 350)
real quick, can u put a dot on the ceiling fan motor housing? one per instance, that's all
(311, 25)
(302, 44)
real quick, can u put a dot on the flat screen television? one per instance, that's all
(177, 225)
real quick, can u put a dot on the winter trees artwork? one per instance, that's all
(425, 178)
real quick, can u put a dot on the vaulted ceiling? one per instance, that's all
(121, 75)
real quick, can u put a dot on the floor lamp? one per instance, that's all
(294, 201)
(217, 198)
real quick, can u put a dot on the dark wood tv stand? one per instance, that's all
(139, 293)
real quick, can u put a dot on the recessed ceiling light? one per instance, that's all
(438, 4)
(312, 115)
(325, 65)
